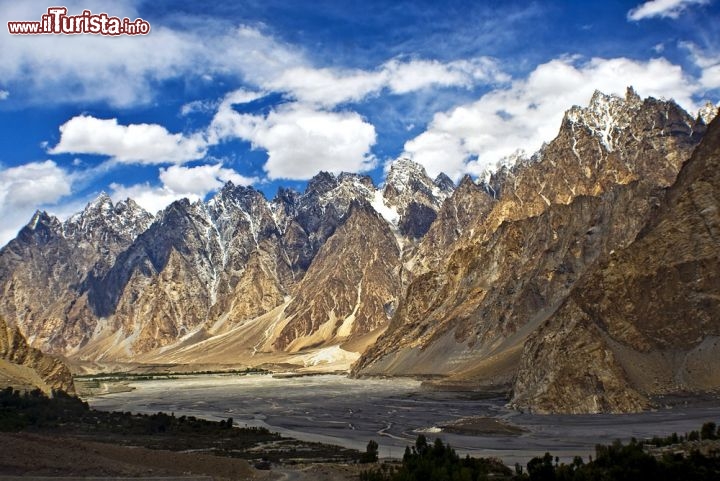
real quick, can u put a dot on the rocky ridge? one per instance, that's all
(646, 320)
(201, 269)
(552, 218)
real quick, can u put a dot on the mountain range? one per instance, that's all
(584, 278)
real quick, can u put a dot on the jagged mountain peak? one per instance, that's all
(320, 183)
(708, 112)
(351, 177)
(40, 218)
(129, 206)
(465, 182)
(608, 116)
(230, 189)
(444, 183)
(326, 189)
(405, 174)
(604, 114)
(241, 196)
(101, 216)
(286, 195)
(42, 228)
(101, 202)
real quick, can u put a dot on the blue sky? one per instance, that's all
(269, 92)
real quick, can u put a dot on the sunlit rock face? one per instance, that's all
(24, 367)
(487, 317)
(646, 320)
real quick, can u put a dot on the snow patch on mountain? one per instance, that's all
(388, 212)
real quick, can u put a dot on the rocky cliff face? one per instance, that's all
(42, 270)
(546, 222)
(123, 283)
(351, 288)
(646, 320)
(25, 367)
(413, 198)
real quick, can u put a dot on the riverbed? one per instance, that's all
(349, 412)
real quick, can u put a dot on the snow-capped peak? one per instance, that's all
(102, 202)
(606, 114)
(444, 183)
(403, 171)
(708, 112)
(126, 219)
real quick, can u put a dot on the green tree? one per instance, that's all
(708, 431)
(371, 453)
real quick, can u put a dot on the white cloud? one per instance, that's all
(710, 77)
(135, 143)
(662, 8)
(124, 71)
(4, 94)
(473, 138)
(33, 183)
(300, 140)
(151, 198)
(178, 182)
(24, 188)
(329, 87)
(406, 77)
(709, 63)
(199, 106)
(201, 179)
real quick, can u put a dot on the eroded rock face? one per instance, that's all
(113, 282)
(43, 269)
(567, 367)
(40, 370)
(350, 288)
(541, 226)
(646, 320)
(459, 216)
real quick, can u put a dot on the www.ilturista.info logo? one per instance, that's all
(57, 21)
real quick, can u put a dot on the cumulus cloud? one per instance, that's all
(135, 143)
(4, 94)
(201, 179)
(23, 188)
(300, 140)
(662, 8)
(474, 138)
(178, 182)
(149, 197)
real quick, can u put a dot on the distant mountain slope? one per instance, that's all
(112, 282)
